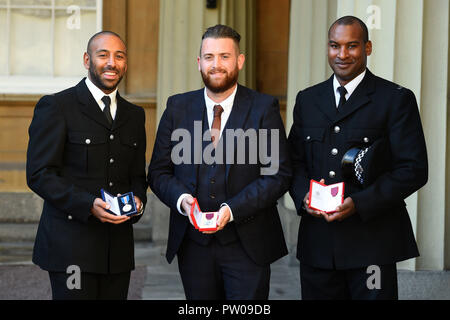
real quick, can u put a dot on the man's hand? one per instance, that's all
(98, 211)
(314, 213)
(139, 204)
(224, 218)
(186, 205)
(343, 211)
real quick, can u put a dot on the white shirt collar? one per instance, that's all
(350, 87)
(97, 93)
(226, 104)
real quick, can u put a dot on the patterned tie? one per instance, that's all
(107, 110)
(342, 93)
(215, 128)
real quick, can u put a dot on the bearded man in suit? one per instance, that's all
(232, 262)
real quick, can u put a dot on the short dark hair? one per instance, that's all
(349, 20)
(221, 31)
(111, 33)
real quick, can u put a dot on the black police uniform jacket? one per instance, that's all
(73, 153)
(380, 231)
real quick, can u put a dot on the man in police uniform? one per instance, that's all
(84, 139)
(354, 108)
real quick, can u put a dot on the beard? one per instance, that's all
(96, 79)
(223, 85)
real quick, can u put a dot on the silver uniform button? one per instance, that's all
(69, 217)
(88, 141)
(332, 174)
(111, 184)
(334, 151)
(337, 129)
(111, 160)
(111, 137)
(308, 138)
(366, 139)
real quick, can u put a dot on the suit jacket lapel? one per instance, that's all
(326, 100)
(122, 114)
(239, 112)
(89, 106)
(194, 116)
(359, 97)
(236, 120)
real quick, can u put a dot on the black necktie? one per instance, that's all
(107, 110)
(342, 93)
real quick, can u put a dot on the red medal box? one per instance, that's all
(325, 198)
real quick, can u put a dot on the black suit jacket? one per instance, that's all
(72, 154)
(380, 232)
(251, 196)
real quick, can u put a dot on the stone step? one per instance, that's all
(142, 232)
(16, 252)
(26, 207)
(20, 207)
(18, 232)
(21, 252)
(26, 232)
(20, 213)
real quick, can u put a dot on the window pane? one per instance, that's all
(3, 48)
(71, 37)
(2, 2)
(81, 3)
(31, 42)
(31, 2)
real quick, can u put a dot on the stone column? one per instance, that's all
(433, 200)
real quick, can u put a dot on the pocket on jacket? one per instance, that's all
(129, 145)
(313, 142)
(75, 154)
(362, 137)
(85, 153)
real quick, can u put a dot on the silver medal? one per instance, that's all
(127, 207)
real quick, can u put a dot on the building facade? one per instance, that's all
(285, 45)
